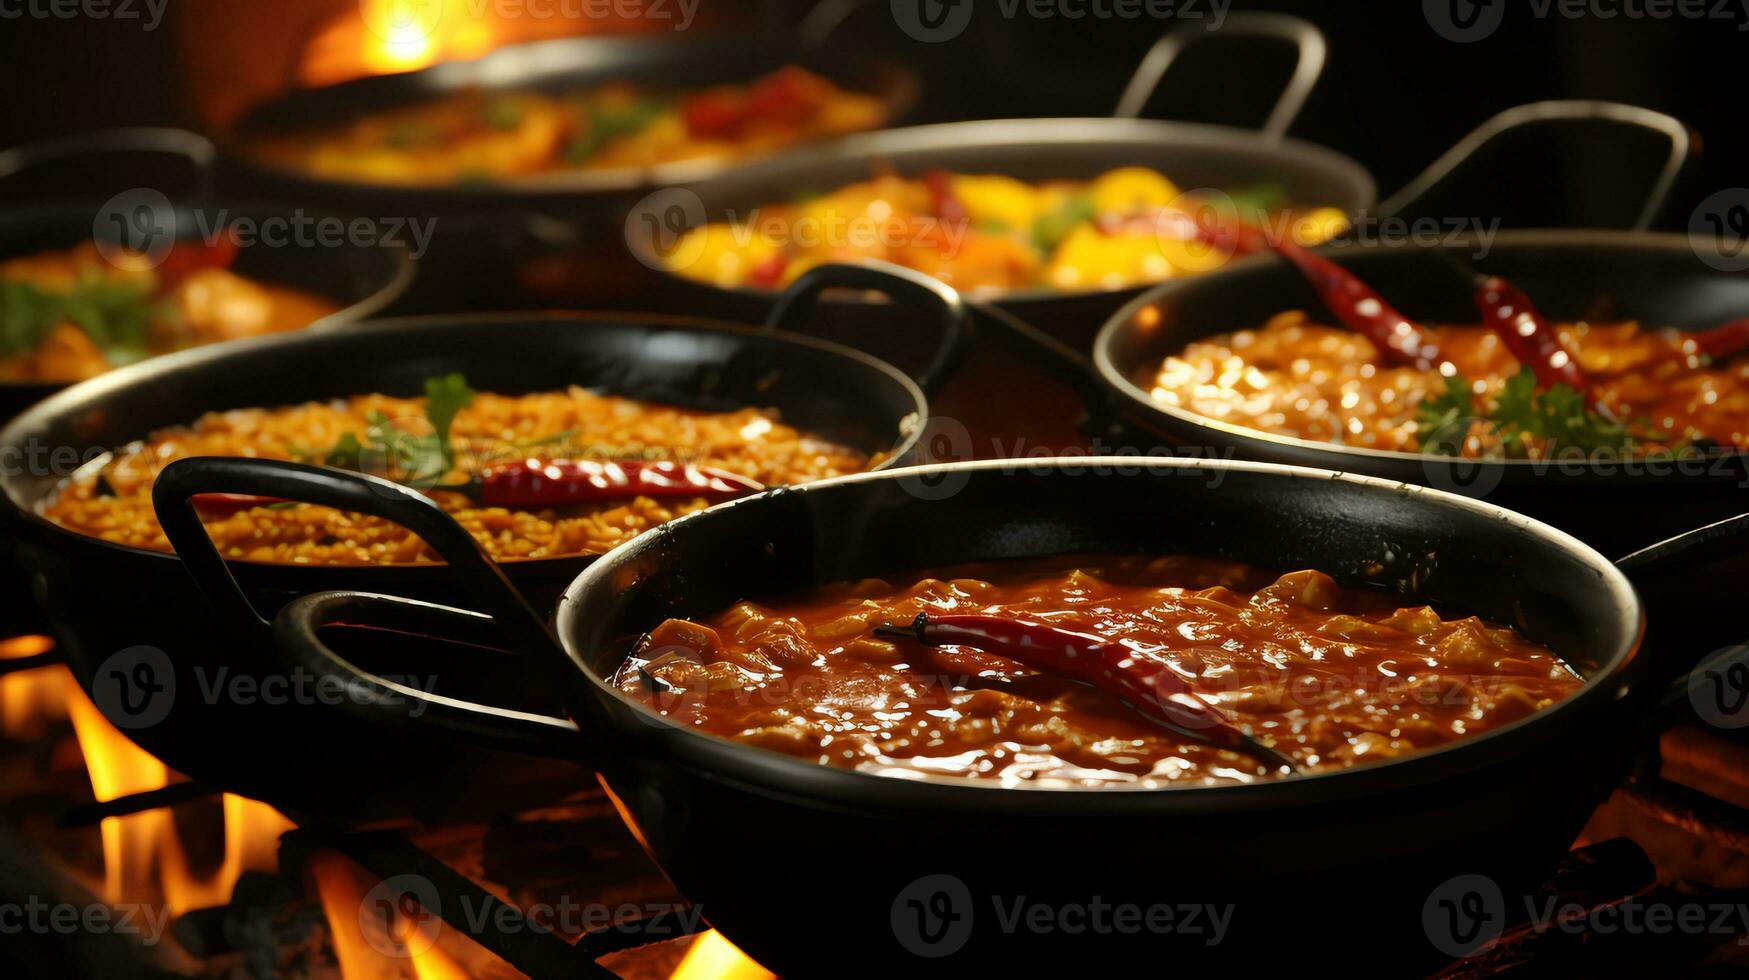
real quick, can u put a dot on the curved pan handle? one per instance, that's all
(297, 636)
(178, 483)
(1313, 52)
(1537, 113)
(193, 147)
(823, 20)
(901, 285)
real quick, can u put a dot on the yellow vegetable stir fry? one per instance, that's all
(991, 233)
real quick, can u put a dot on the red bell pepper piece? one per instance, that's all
(715, 115)
(1109, 665)
(190, 255)
(944, 202)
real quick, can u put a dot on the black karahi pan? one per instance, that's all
(666, 62)
(163, 653)
(361, 278)
(1191, 155)
(803, 865)
(1657, 279)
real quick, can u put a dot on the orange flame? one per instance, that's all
(144, 859)
(388, 36)
(367, 945)
(712, 957)
(31, 699)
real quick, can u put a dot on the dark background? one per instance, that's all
(1395, 94)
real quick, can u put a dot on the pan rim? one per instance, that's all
(1111, 374)
(976, 134)
(24, 512)
(721, 758)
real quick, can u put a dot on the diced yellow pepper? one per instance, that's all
(1132, 190)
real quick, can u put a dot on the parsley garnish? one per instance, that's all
(116, 316)
(1556, 417)
(416, 459)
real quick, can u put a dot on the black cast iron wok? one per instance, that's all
(360, 277)
(804, 865)
(663, 62)
(103, 599)
(1192, 156)
(1660, 280)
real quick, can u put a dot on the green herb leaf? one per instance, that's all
(118, 317)
(1441, 422)
(444, 397)
(1557, 417)
(1053, 226)
(602, 124)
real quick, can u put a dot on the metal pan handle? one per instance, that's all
(897, 283)
(1538, 113)
(1303, 35)
(297, 636)
(182, 480)
(823, 20)
(193, 147)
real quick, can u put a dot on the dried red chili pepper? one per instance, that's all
(1530, 337)
(1399, 340)
(1725, 340)
(537, 483)
(1148, 684)
(553, 483)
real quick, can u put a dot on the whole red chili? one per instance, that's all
(1725, 340)
(1529, 336)
(538, 483)
(553, 483)
(1399, 340)
(1145, 682)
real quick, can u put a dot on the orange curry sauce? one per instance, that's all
(1329, 675)
(1296, 378)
